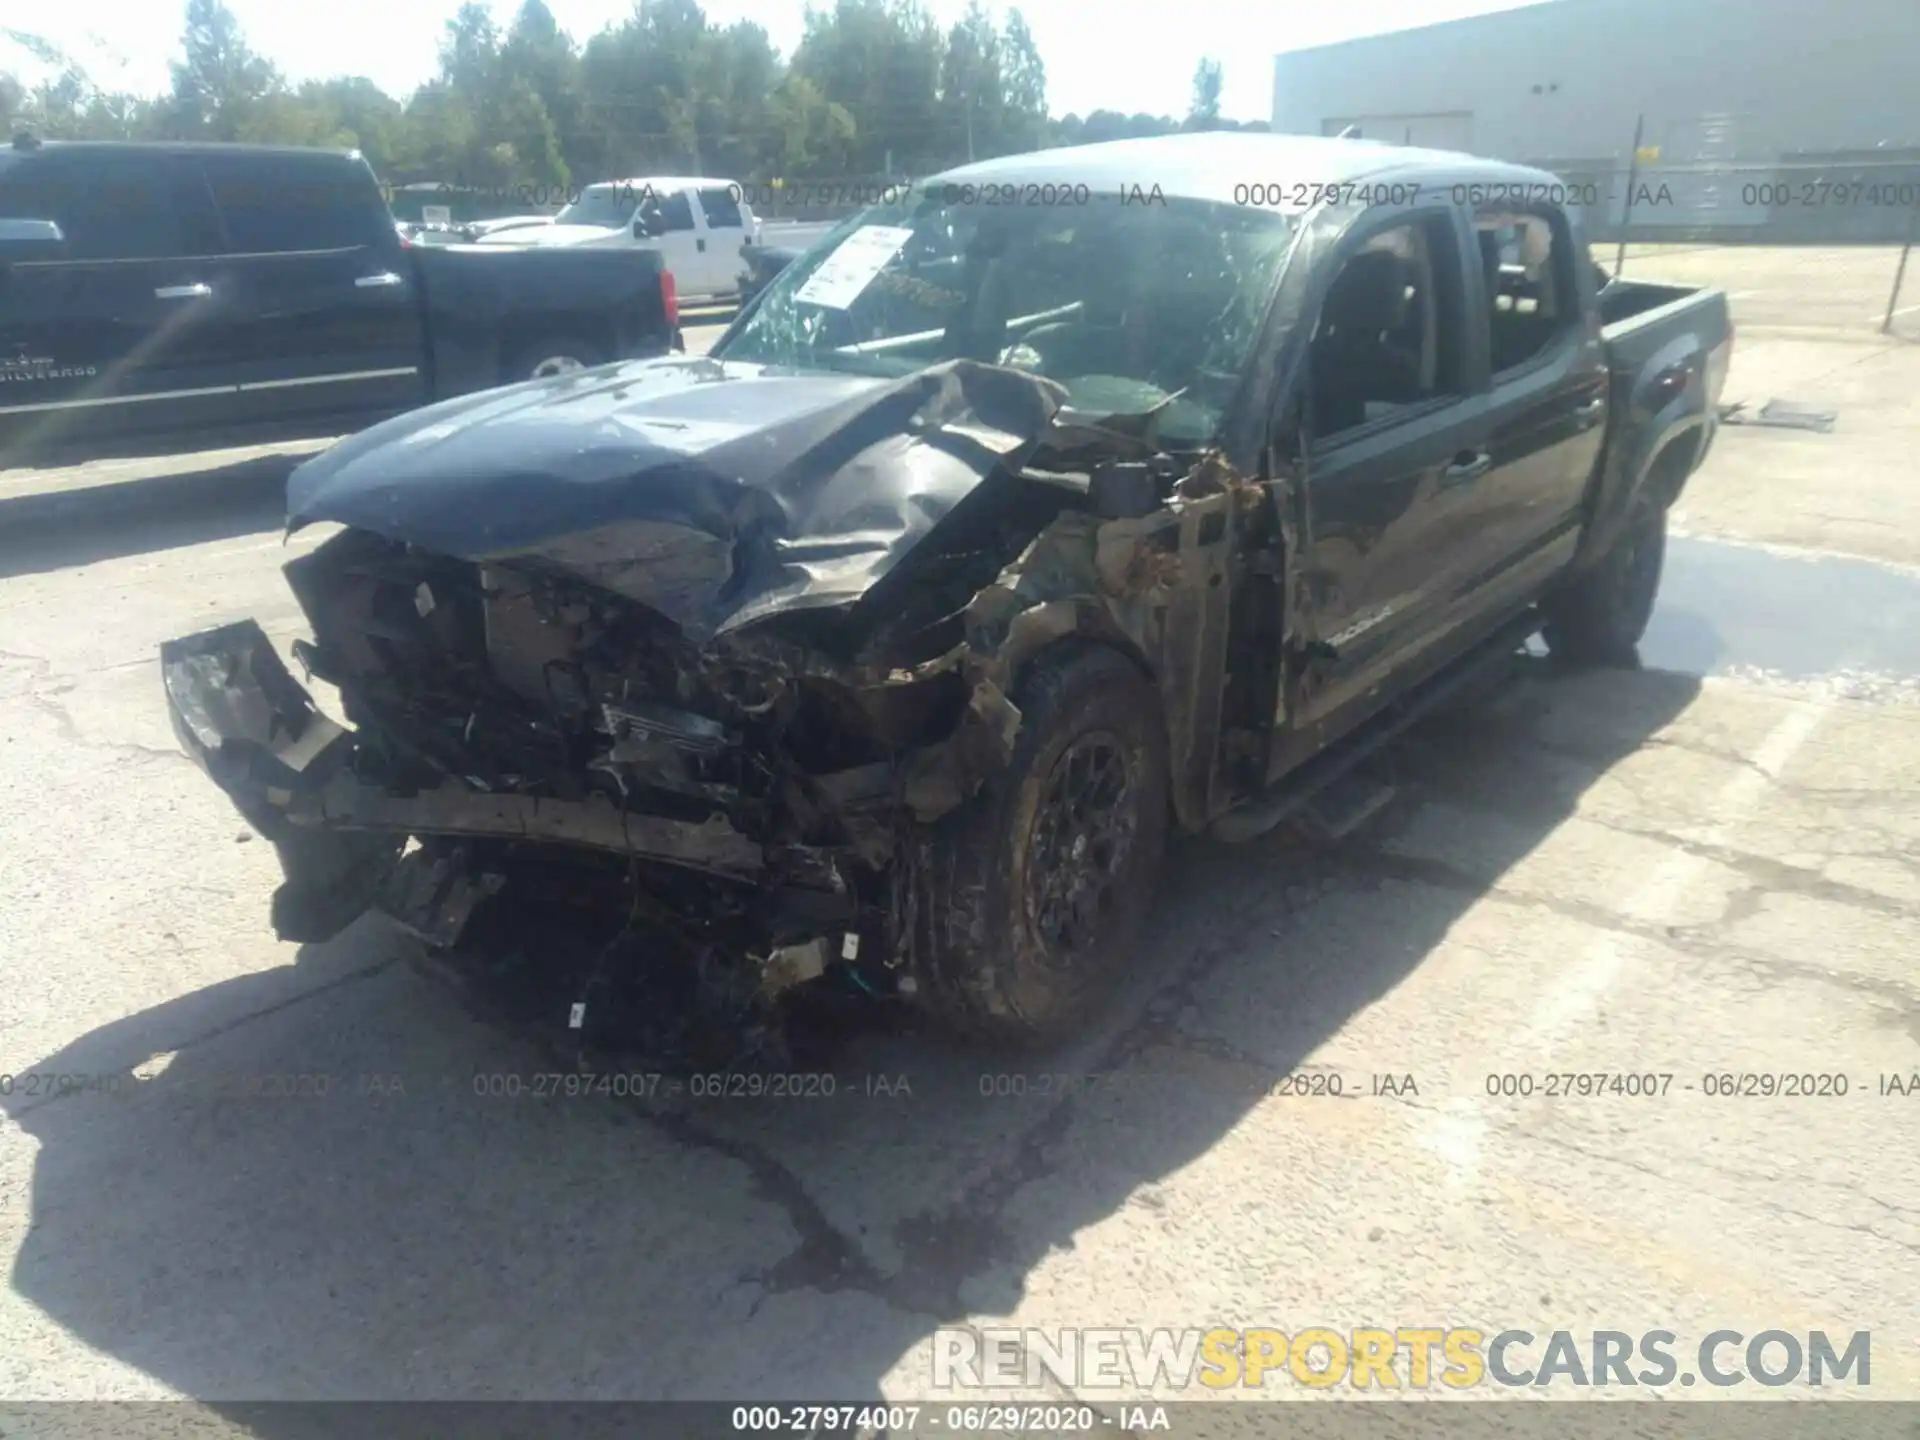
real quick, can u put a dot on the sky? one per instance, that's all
(1130, 56)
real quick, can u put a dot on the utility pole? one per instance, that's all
(1633, 174)
(1900, 275)
(967, 100)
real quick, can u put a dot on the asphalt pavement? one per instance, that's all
(1700, 868)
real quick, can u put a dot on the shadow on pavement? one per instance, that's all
(58, 528)
(410, 1234)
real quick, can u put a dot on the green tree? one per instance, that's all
(1204, 111)
(880, 61)
(532, 143)
(1103, 125)
(438, 135)
(537, 51)
(1026, 86)
(13, 102)
(972, 93)
(221, 89)
(807, 134)
(470, 51)
(358, 114)
(638, 83)
(70, 105)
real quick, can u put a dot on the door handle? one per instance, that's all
(700, 245)
(1467, 465)
(374, 282)
(1588, 415)
(183, 292)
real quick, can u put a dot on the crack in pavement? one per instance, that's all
(1691, 940)
(1517, 1131)
(70, 731)
(325, 987)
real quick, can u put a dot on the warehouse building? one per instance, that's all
(1783, 120)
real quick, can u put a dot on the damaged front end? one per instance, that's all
(714, 701)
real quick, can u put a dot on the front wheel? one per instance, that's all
(1033, 893)
(1600, 617)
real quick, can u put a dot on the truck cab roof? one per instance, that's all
(667, 182)
(306, 154)
(1219, 166)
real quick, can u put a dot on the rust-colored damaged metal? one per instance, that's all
(1157, 587)
(520, 734)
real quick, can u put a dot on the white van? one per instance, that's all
(697, 223)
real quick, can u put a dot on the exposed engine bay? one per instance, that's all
(653, 722)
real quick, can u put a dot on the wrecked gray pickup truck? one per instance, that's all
(991, 542)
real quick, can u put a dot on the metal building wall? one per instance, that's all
(1754, 109)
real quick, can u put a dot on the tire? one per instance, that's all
(1003, 957)
(553, 355)
(1599, 619)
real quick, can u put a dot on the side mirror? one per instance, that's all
(24, 240)
(646, 225)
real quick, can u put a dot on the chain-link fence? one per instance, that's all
(1792, 201)
(820, 200)
(1803, 240)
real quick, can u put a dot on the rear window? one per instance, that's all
(723, 210)
(271, 206)
(111, 205)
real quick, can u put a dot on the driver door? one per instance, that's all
(1395, 438)
(669, 214)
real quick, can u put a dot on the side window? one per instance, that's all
(1388, 336)
(676, 212)
(112, 206)
(723, 211)
(670, 210)
(1527, 260)
(272, 207)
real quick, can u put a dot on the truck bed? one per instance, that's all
(1624, 300)
(1668, 348)
(1642, 319)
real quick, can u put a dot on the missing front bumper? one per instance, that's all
(288, 769)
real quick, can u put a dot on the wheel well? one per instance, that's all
(1672, 465)
(518, 343)
(1068, 648)
(1065, 651)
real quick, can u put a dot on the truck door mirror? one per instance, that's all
(646, 224)
(24, 240)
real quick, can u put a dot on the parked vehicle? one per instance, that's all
(480, 229)
(890, 640)
(203, 294)
(698, 225)
(760, 263)
(472, 210)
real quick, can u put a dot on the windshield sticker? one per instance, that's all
(843, 275)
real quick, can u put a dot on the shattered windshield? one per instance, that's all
(610, 206)
(1129, 306)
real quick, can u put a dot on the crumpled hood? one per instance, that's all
(713, 492)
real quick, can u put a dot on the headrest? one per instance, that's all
(1369, 295)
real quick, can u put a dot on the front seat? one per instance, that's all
(1355, 357)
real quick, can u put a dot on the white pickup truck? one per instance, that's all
(698, 224)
